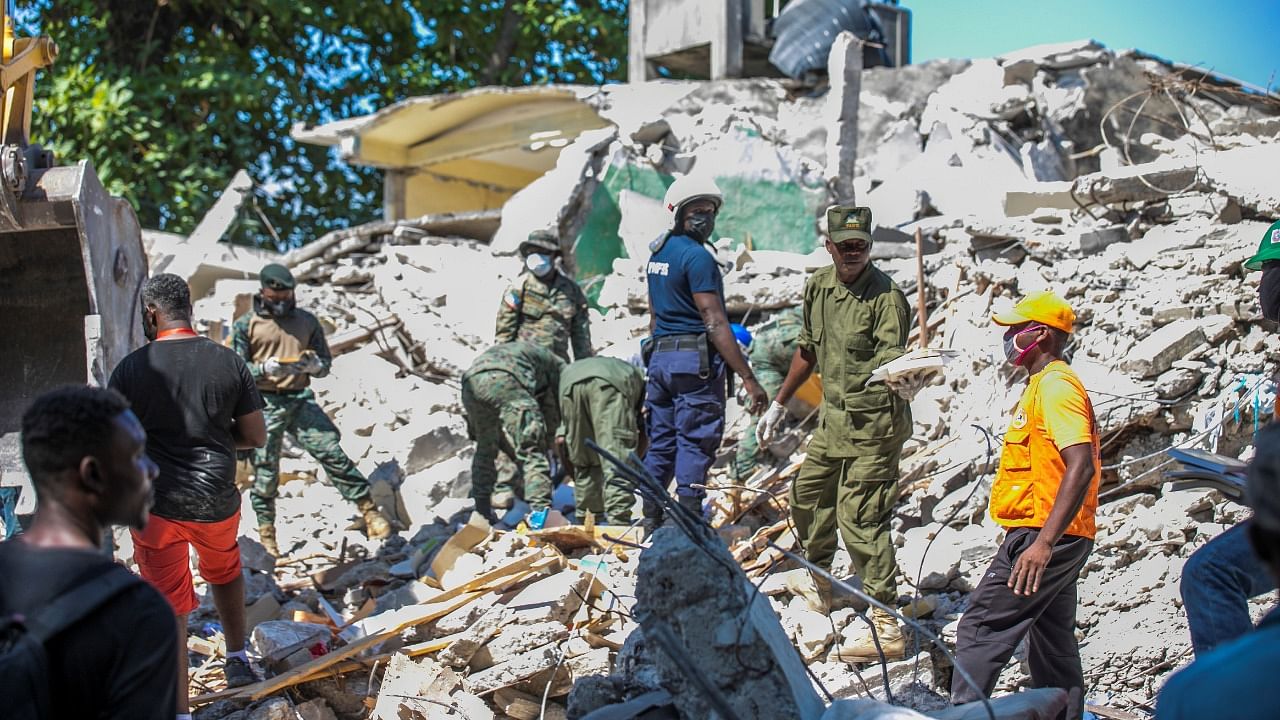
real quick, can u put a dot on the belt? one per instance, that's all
(673, 343)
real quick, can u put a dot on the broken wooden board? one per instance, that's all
(577, 537)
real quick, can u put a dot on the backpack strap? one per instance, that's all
(83, 598)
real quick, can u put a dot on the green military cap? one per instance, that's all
(277, 277)
(847, 222)
(1268, 249)
(544, 240)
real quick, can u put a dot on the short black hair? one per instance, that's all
(169, 293)
(64, 426)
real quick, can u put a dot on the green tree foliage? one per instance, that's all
(168, 98)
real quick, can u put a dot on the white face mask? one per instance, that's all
(540, 265)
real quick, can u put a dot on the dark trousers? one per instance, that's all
(997, 621)
(1216, 585)
(685, 405)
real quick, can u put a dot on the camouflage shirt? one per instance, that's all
(547, 314)
(535, 368)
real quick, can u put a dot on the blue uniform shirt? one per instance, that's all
(1232, 681)
(680, 268)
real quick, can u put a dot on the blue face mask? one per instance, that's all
(540, 265)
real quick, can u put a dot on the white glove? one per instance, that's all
(272, 366)
(769, 423)
(907, 386)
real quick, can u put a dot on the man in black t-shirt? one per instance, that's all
(85, 452)
(198, 403)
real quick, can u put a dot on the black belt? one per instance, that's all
(697, 343)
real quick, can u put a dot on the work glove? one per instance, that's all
(309, 362)
(907, 386)
(767, 428)
(273, 367)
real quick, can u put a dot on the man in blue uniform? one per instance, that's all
(691, 344)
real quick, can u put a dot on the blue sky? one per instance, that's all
(1239, 38)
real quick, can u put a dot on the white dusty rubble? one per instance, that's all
(1021, 173)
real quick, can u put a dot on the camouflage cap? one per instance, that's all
(847, 222)
(277, 277)
(544, 240)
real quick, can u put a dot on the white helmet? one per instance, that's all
(691, 187)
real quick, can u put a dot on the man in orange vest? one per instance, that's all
(1045, 493)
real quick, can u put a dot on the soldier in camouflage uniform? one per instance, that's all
(545, 306)
(284, 347)
(510, 397)
(601, 398)
(770, 355)
(855, 319)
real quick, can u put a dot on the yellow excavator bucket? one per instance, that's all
(71, 269)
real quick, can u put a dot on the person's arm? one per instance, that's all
(580, 334)
(1025, 578)
(717, 325)
(249, 431)
(508, 323)
(241, 343)
(320, 347)
(892, 326)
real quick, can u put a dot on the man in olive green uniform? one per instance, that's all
(855, 319)
(770, 354)
(601, 398)
(510, 395)
(284, 347)
(545, 306)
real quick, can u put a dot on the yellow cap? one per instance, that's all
(1043, 307)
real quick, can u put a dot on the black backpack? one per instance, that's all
(24, 667)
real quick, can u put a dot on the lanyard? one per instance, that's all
(180, 332)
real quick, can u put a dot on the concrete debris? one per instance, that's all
(1022, 172)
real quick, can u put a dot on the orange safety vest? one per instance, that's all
(1031, 467)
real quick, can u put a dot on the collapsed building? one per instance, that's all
(1133, 186)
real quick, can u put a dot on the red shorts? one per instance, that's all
(163, 554)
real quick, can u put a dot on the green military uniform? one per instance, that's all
(290, 406)
(601, 399)
(510, 396)
(850, 474)
(771, 350)
(550, 313)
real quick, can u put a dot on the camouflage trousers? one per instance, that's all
(855, 495)
(596, 410)
(300, 416)
(503, 417)
(770, 361)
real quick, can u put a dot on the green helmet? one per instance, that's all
(1268, 249)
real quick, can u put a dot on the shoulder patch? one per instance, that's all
(512, 299)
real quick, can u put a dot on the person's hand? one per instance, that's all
(768, 426)
(1029, 567)
(909, 385)
(759, 398)
(309, 362)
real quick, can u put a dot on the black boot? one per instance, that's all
(652, 518)
(485, 508)
(692, 503)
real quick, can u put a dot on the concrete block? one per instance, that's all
(1165, 315)
(276, 708)
(1156, 353)
(555, 598)
(316, 709)
(515, 640)
(409, 678)
(513, 670)
(254, 556)
(1218, 328)
(460, 651)
(275, 640)
(1092, 241)
(1176, 382)
(1038, 196)
(840, 116)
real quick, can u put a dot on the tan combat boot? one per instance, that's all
(376, 525)
(267, 536)
(815, 590)
(859, 647)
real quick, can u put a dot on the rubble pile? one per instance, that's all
(1133, 187)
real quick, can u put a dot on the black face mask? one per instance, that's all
(699, 225)
(280, 308)
(1269, 290)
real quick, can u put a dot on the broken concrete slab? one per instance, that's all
(840, 115)
(460, 651)
(275, 640)
(513, 670)
(1157, 352)
(411, 684)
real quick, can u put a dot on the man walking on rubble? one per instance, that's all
(110, 639)
(854, 320)
(510, 397)
(601, 398)
(1234, 681)
(545, 306)
(198, 404)
(1045, 493)
(689, 347)
(284, 347)
(1219, 578)
(770, 350)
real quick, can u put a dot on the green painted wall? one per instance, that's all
(773, 216)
